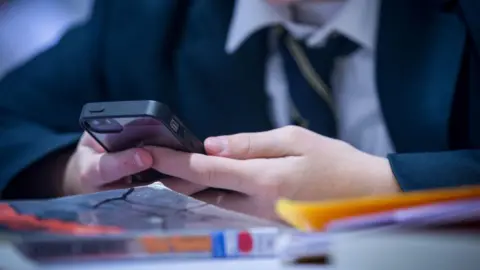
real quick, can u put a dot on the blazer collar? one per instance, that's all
(357, 19)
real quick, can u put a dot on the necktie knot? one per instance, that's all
(335, 46)
(309, 72)
(338, 45)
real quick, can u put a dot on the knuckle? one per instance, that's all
(292, 133)
(102, 174)
(239, 184)
(214, 175)
(210, 176)
(280, 182)
(206, 174)
(284, 188)
(84, 175)
(244, 145)
(271, 184)
(81, 166)
(121, 166)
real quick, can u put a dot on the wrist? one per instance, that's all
(381, 177)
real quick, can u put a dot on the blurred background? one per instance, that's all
(30, 26)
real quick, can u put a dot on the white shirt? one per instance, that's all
(360, 120)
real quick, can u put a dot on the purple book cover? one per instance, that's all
(433, 214)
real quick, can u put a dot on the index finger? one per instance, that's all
(217, 172)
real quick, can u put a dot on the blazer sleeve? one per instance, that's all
(418, 171)
(41, 100)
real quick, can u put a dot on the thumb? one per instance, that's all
(275, 143)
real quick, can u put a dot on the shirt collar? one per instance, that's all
(357, 19)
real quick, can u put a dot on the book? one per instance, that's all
(142, 222)
(315, 215)
(418, 219)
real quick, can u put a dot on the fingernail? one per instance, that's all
(138, 160)
(216, 145)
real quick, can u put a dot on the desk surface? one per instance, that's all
(241, 264)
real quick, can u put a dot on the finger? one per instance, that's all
(119, 184)
(275, 143)
(182, 186)
(88, 141)
(258, 206)
(204, 170)
(110, 167)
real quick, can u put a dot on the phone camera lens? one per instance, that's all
(104, 126)
(95, 122)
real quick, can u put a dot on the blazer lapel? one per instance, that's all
(471, 13)
(418, 58)
(218, 93)
(470, 10)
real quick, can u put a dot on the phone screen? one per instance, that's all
(118, 134)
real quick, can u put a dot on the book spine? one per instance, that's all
(220, 244)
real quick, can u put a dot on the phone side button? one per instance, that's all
(96, 109)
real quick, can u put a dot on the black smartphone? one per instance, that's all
(121, 125)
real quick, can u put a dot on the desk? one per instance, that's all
(240, 264)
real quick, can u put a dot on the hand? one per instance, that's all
(91, 169)
(289, 162)
(239, 202)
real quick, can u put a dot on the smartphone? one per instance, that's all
(122, 125)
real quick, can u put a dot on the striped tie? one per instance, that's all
(309, 72)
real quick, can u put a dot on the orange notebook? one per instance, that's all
(314, 216)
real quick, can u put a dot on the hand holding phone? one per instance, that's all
(90, 168)
(121, 125)
(110, 155)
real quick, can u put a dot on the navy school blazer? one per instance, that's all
(428, 80)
